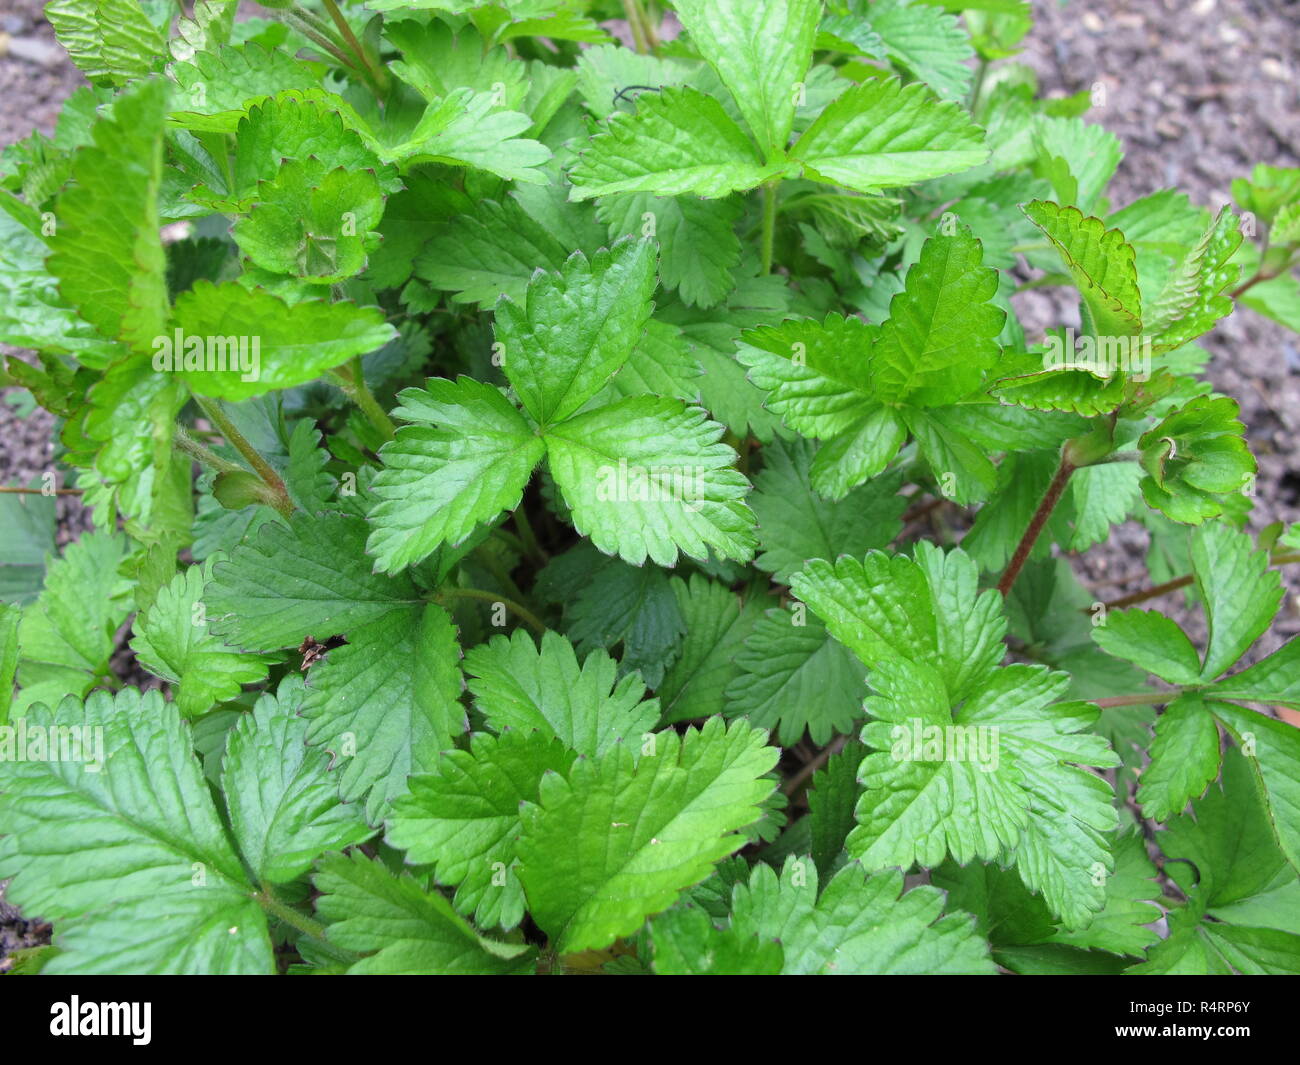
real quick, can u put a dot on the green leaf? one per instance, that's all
(237, 342)
(795, 524)
(28, 520)
(403, 928)
(10, 616)
(491, 251)
(464, 819)
(831, 801)
(1273, 749)
(284, 807)
(1184, 758)
(465, 459)
(648, 477)
(1242, 894)
(998, 775)
(941, 336)
(792, 676)
(761, 50)
(1152, 642)
(687, 943)
(576, 328)
(858, 925)
(1193, 300)
(924, 41)
(622, 837)
(106, 253)
(1241, 594)
(516, 685)
(678, 141)
(883, 133)
(697, 239)
(717, 623)
(124, 836)
(173, 641)
(1194, 457)
(108, 40)
(1275, 679)
(312, 222)
(218, 87)
(1100, 262)
(66, 638)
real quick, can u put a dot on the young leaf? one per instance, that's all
(621, 837)
(1184, 758)
(465, 459)
(516, 685)
(108, 40)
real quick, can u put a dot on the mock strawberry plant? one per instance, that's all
(580, 485)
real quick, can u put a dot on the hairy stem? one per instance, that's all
(352, 381)
(520, 611)
(1145, 699)
(304, 925)
(377, 77)
(280, 494)
(40, 491)
(184, 442)
(1036, 524)
(769, 225)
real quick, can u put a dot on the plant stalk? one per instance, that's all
(280, 494)
(520, 611)
(352, 381)
(769, 225)
(1036, 524)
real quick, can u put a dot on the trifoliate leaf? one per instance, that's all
(761, 50)
(465, 458)
(793, 677)
(997, 776)
(172, 640)
(148, 843)
(884, 133)
(576, 328)
(678, 141)
(284, 806)
(1100, 262)
(622, 836)
(516, 685)
(648, 477)
(464, 819)
(403, 928)
(858, 924)
(236, 342)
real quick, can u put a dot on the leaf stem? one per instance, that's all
(352, 380)
(800, 780)
(1036, 524)
(522, 612)
(280, 494)
(528, 538)
(40, 491)
(1145, 699)
(1178, 582)
(184, 442)
(769, 225)
(378, 78)
(304, 925)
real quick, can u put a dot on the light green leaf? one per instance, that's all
(883, 133)
(237, 342)
(761, 50)
(516, 685)
(687, 943)
(1241, 594)
(465, 459)
(172, 640)
(108, 40)
(622, 837)
(648, 477)
(1273, 749)
(1152, 642)
(124, 836)
(678, 141)
(1184, 758)
(284, 807)
(576, 328)
(464, 819)
(404, 929)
